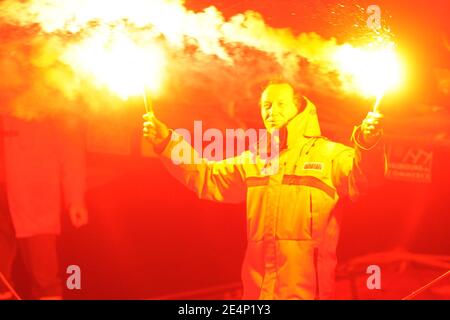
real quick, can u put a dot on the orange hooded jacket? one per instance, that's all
(292, 229)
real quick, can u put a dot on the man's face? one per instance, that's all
(278, 106)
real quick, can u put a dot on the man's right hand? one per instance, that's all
(155, 131)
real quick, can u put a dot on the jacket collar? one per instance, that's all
(303, 125)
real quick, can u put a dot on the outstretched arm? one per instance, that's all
(213, 180)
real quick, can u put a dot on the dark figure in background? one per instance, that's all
(43, 160)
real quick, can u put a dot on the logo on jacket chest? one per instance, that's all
(316, 166)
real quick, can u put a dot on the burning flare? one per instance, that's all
(372, 70)
(112, 58)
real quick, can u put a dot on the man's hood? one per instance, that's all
(304, 124)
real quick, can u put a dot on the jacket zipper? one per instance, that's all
(316, 250)
(316, 264)
(310, 214)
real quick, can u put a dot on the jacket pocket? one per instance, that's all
(294, 219)
(321, 207)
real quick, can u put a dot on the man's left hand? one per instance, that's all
(371, 128)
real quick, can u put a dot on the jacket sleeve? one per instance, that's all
(212, 180)
(355, 169)
(71, 149)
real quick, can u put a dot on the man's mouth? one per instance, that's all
(273, 121)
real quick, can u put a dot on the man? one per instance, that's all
(43, 160)
(292, 227)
